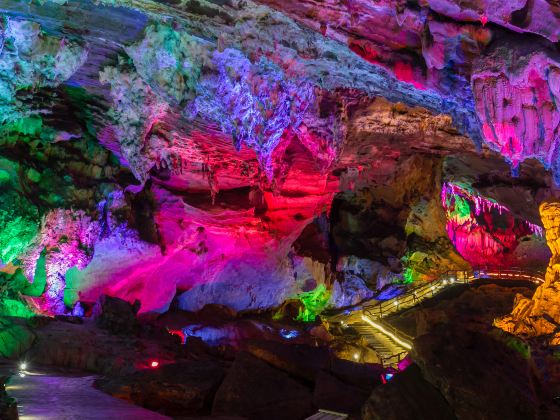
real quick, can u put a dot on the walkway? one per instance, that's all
(60, 397)
(392, 345)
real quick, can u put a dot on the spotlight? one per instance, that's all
(22, 366)
(356, 356)
(154, 364)
(396, 303)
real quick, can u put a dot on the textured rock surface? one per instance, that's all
(480, 371)
(255, 390)
(540, 315)
(189, 149)
(179, 389)
(408, 396)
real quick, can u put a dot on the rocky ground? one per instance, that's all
(462, 366)
(465, 368)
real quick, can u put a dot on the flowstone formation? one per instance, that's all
(483, 231)
(540, 315)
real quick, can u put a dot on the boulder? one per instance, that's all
(177, 389)
(117, 315)
(331, 393)
(15, 337)
(408, 396)
(492, 380)
(255, 390)
(298, 360)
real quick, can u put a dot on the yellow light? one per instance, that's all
(375, 325)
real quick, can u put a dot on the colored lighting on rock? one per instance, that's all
(313, 303)
(482, 230)
(289, 334)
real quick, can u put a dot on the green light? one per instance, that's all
(314, 303)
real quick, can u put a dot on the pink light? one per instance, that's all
(154, 364)
(405, 73)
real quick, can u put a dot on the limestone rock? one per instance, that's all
(117, 315)
(15, 337)
(408, 396)
(177, 389)
(255, 390)
(540, 315)
(330, 393)
(300, 361)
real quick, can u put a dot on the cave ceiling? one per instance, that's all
(191, 138)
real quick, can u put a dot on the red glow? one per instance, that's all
(404, 72)
(364, 49)
(154, 364)
(179, 334)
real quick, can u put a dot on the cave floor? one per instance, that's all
(55, 395)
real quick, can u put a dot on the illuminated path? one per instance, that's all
(50, 396)
(392, 345)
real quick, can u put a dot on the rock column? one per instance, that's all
(540, 315)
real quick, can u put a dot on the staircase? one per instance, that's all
(392, 345)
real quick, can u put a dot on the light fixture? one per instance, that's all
(154, 364)
(22, 366)
(356, 356)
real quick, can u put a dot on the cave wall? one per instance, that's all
(161, 150)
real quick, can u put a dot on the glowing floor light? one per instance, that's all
(22, 366)
(154, 364)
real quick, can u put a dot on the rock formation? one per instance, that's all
(540, 315)
(247, 153)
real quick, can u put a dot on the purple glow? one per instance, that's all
(254, 103)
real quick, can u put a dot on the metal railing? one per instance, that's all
(393, 360)
(418, 293)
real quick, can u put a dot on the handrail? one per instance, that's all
(388, 361)
(402, 335)
(429, 289)
(417, 293)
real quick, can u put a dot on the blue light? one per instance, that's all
(288, 334)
